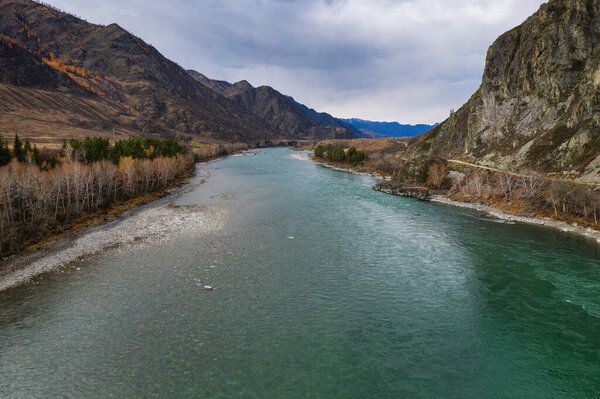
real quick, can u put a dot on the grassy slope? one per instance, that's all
(135, 87)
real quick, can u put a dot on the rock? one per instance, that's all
(389, 187)
(538, 94)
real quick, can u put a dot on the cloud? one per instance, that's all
(404, 60)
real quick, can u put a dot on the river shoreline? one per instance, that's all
(487, 209)
(129, 225)
(498, 214)
(374, 175)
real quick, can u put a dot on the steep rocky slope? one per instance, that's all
(538, 101)
(280, 111)
(217, 85)
(325, 119)
(118, 70)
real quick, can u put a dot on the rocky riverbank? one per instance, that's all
(155, 219)
(420, 193)
(424, 194)
(494, 212)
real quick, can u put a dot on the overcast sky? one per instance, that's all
(398, 60)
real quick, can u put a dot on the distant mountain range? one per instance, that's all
(281, 111)
(285, 113)
(61, 76)
(387, 129)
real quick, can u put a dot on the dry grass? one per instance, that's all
(46, 117)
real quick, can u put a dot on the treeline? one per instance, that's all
(22, 151)
(86, 177)
(91, 149)
(206, 152)
(96, 149)
(527, 190)
(335, 153)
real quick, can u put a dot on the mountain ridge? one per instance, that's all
(389, 129)
(281, 111)
(145, 91)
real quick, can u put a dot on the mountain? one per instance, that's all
(538, 103)
(324, 119)
(220, 86)
(278, 110)
(388, 129)
(124, 83)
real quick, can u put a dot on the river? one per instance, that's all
(323, 288)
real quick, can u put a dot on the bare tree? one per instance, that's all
(477, 180)
(531, 183)
(438, 172)
(507, 183)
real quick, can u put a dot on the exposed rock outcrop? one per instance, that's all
(538, 103)
(389, 187)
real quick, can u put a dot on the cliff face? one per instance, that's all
(539, 98)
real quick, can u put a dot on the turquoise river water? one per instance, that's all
(323, 289)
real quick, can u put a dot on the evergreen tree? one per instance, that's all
(63, 149)
(18, 149)
(27, 147)
(28, 152)
(35, 154)
(4, 153)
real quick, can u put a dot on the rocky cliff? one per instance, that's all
(538, 101)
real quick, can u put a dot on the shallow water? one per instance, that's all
(323, 288)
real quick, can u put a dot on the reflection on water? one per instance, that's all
(323, 288)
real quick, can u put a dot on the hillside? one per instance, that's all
(538, 102)
(324, 119)
(280, 111)
(217, 85)
(388, 129)
(129, 84)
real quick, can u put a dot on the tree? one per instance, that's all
(35, 155)
(531, 182)
(437, 174)
(18, 149)
(354, 156)
(4, 152)
(63, 148)
(477, 181)
(507, 183)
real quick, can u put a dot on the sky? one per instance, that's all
(409, 61)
